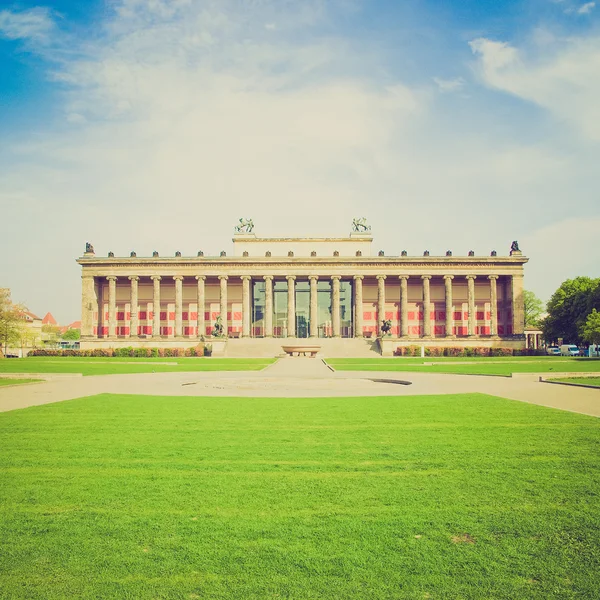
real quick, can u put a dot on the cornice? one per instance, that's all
(305, 263)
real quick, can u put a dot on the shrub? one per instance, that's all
(124, 352)
(101, 352)
(453, 351)
(501, 352)
(161, 352)
(481, 351)
(154, 352)
(435, 351)
(44, 352)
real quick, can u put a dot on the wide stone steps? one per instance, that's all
(330, 347)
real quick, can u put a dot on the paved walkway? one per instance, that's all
(303, 377)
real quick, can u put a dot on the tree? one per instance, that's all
(590, 331)
(50, 334)
(72, 334)
(11, 323)
(534, 308)
(568, 309)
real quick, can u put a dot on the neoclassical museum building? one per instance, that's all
(303, 288)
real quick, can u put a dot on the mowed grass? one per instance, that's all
(112, 366)
(456, 496)
(14, 381)
(501, 366)
(595, 381)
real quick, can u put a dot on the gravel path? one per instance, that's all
(302, 377)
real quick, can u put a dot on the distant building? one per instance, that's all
(49, 319)
(33, 330)
(73, 325)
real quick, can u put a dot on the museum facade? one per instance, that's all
(302, 288)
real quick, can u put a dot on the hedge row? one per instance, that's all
(200, 350)
(460, 351)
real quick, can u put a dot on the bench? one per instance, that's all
(301, 350)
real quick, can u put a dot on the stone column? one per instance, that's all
(246, 310)
(200, 324)
(268, 305)
(472, 314)
(156, 306)
(291, 326)
(518, 305)
(380, 302)
(314, 306)
(493, 305)
(426, 306)
(335, 304)
(178, 305)
(134, 320)
(403, 305)
(88, 299)
(223, 307)
(112, 306)
(358, 305)
(449, 306)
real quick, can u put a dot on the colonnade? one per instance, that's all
(158, 281)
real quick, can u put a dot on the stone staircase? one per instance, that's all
(330, 347)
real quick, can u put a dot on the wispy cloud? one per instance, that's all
(586, 9)
(449, 85)
(563, 78)
(35, 24)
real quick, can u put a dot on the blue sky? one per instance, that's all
(155, 124)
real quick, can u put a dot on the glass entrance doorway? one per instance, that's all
(280, 321)
(302, 309)
(325, 325)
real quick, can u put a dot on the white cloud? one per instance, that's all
(449, 85)
(494, 55)
(586, 9)
(34, 24)
(562, 79)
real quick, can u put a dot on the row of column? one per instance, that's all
(517, 292)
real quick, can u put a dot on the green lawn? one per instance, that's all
(12, 381)
(595, 381)
(469, 496)
(111, 366)
(503, 366)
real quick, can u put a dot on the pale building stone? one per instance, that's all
(302, 287)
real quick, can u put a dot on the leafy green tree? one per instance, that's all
(72, 334)
(590, 331)
(50, 334)
(534, 309)
(11, 323)
(568, 309)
